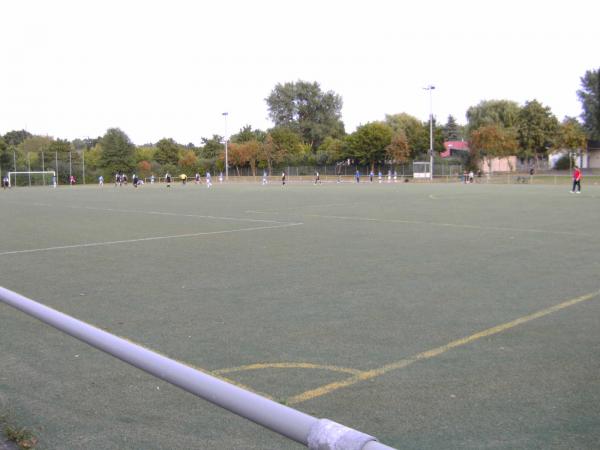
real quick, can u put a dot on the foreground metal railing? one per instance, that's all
(316, 434)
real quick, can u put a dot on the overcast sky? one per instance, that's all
(171, 68)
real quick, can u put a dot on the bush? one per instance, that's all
(564, 163)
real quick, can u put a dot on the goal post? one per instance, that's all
(35, 175)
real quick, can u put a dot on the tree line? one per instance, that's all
(308, 130)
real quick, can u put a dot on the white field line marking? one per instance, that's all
(435, 224)
(160, 213)
(146, 239)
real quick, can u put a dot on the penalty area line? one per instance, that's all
(148, 239)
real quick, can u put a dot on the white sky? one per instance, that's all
(171, 68)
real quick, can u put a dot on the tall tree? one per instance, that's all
(118, 152)
(537, 129)
(369, 142)
(167, 152)
(493, 112)
(416, 132)
(398, 150)
(571, 135)
(248, 134)
(452, 131)
(303, 107)
(5, 155)
(589, 96)
(60, 146)
(212, 147)
(15, 137)
(492, 141)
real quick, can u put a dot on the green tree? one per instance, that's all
(15, 137)
(537, 129)
(212, 147)
(492, 141)
(398, 151)
(416, 132)
(368, 143)
(493, 112)
(331, 151)
(36, 144)
(571, 137)
(452, 130)
(304, 108)
(247, 134)
(280, 144)
(145, 153)
(60, 146)
(118, 152)
(589, 96)
(5, 155)
(167, 152)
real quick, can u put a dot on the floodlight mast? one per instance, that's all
(430, 88)
(225, 114)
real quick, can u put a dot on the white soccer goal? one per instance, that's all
(25, 178)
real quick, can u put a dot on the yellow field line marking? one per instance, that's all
(287, 365)
(370, 374)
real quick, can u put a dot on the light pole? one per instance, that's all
(430, 88)
(225, 114)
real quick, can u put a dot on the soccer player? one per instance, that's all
(317, 178)
(208, 180)
(168, 179)
(283, 178)
(264, 178)
(100, 180)
(5, 182)
(197, 178)
(576, 180)
(357, 176)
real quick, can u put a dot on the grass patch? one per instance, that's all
(21, 436)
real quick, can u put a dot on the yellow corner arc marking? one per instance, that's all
(286, 365)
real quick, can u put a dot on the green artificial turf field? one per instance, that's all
(423, 314)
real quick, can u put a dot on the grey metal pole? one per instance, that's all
(70, 167)
(43, 170)
(430, 88)
(317, 434)
(56, 164)
(226, 139)
(83, 163)
(15, 163)
(29, 168)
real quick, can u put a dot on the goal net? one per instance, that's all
(32, 178)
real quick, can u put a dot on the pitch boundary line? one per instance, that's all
(437, 351)
(151, 238)
(160, 213)
(435, 224)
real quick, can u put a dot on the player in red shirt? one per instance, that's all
(576, 180)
